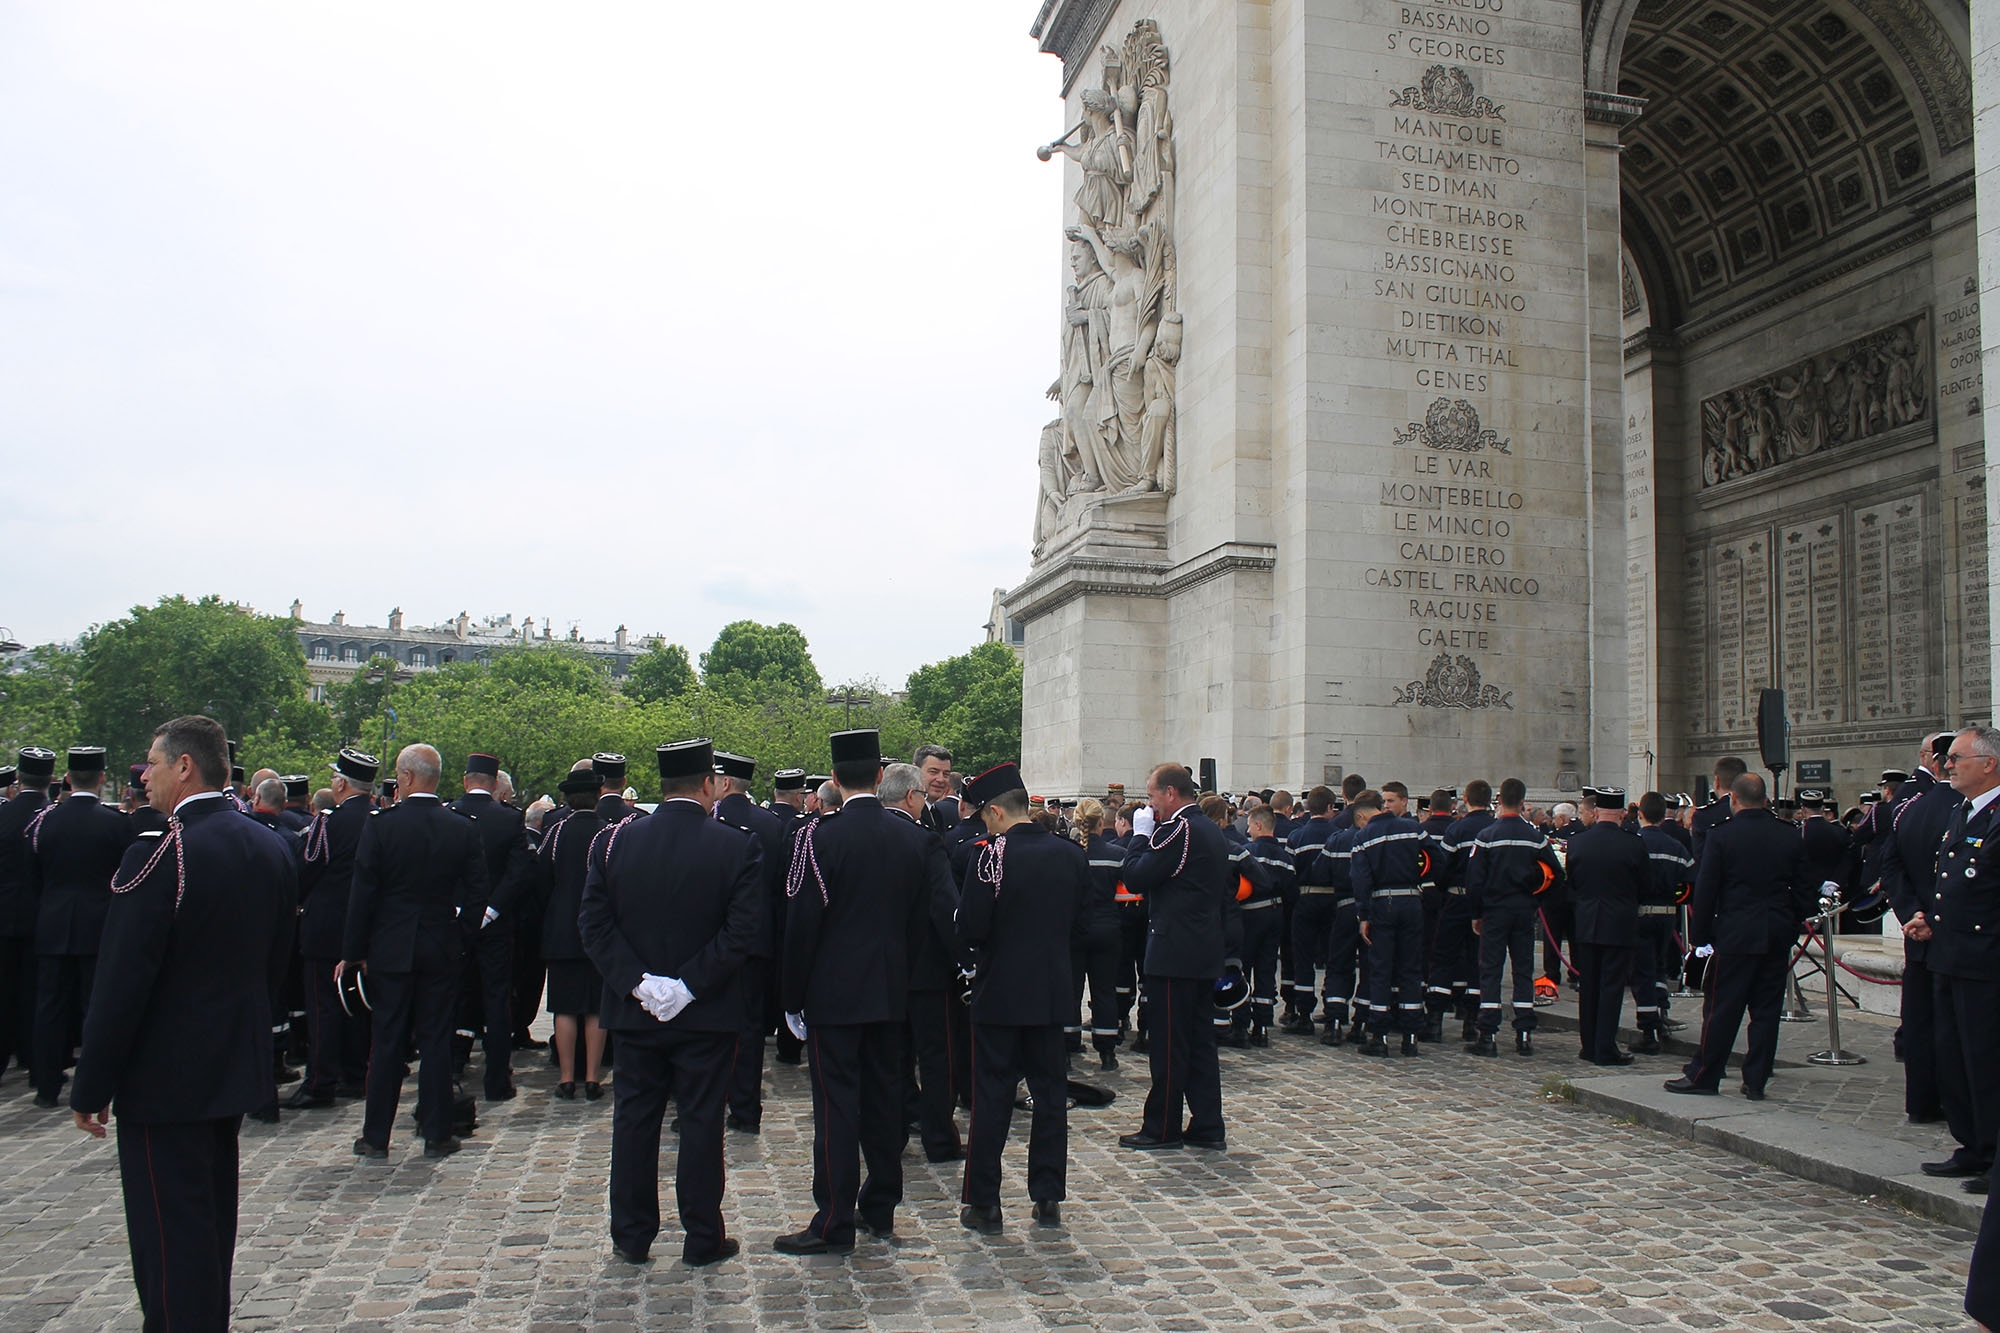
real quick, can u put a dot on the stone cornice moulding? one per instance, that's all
(1069, 29)
(1082, 575)
(1611, 108)
(1220, 560)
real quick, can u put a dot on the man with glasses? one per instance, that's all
(1964, 958)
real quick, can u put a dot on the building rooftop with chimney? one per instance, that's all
(336, 649)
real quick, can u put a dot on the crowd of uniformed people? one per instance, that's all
(930, 944)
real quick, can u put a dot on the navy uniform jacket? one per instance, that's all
(935, 953)
(327, 876)
(1184, 872)
(677, 895)
(1749, 891)
(1107, 871)
(73, 850)
(1508, 857)
(1707, 820)
(1456, 844)
(1824, 847)
(1609, 875)
(1669, 866)
(1910, 857)
(1306, 840)
(941, 816)
(1388, 855)
(740, 812)
(271, 821)
(1965, 921)
(612, 808)
(418, 867)
(959, 842)
(1277, 875)
(855, 884)
(1335, 863)
(503, 837)
(1024, 927)
(17, 883)
(180, 1014)
(564, 858)
(148, 820)
(294, 817)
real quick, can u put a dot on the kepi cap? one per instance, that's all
(1607, 798)
(687, 759)
(995, 780)
(357, 766)
(734, 766)
(610, 767)
(789, 779)
(580, 780)
(861, 746)
(487, 764)
(297, 786)
(37, 763)
(86, 759)
(1893, 776)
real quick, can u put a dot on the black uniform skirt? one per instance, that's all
(574, 986)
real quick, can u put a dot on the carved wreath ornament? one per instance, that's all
(1448, 92)
(1452, 424)
(1453, 682)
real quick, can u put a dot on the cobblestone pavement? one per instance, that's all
(1442, 1192)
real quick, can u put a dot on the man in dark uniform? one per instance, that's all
(1454, 952)
(73, 850)
(673, 907)
(419, 866)
(195, 941)
(1609, 874)
(336, 1041)
(1020, 909)
(18, 905)
(1669, 881)
(1347, 980)
(1512, 863)
(1962, 934)
(1312, 916)
(612, 807)
(298, 800)
(1193, 935)
(936, 957)
(576, 989)
(1387, 869)
(1749, 898)
(788, 797)
(736, 809)
(854, 884)
(1264, 919)
(145, 819)
(1435, 818)
(941, 808)
(486, 998)
(1908, 867)
(1711, 816)
(1824, 846)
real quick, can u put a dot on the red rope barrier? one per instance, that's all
(1827, 949)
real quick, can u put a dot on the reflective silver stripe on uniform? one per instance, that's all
(1319, 888)
(1287, 866)
(1104, 1032)
(1494, 1004)
(1649, 909)
(1265, 902)
(1418, 1005)
(1538, 844)
(1458, 889)
(1107, 865)
(1392, 837)
(1397, 893)
(1675, 857)
(1521, 1004)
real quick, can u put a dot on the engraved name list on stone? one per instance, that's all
(1468, 215)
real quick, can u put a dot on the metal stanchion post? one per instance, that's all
(1832, 1055)
(1796, 1010)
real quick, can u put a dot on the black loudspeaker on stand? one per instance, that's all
(1208, 776)
(1774, 735)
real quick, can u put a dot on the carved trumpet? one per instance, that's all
(1048, 150)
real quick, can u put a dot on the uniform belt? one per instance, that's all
(1457, 890)
(1646, 909)
(1410, 892)
(1265, 902)
(1319, 888)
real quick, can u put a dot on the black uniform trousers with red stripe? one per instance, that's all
(180, 1219)
(692, 1070)
(1002, 1055)
(1735, 983)
(1181, 1051)
(857, 1084)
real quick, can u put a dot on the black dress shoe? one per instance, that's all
(289, 1074)
(1932, 1118)
(1139, 1046)
(595, 1092)
(1375, 1046)
(984, 1220)
(1671, 1025)
(944, 1155)
(1751, 1094)
(742, 1126)
(443, 1147)
(1958, 1164)
(1048, 1213)
(1615, 1060)
(1485, 1045)
(792, 1058)
(363, 1148)
(302, 1100)
(1524, 1043)
(524, 1042)
(1684, 1085)
(1649, 1043)
(506, 1094)
(1107, 1060)
(881, 1228)
(566, 1091)
(729, 1248)
(1297, 1027)
(1144, 1142)
(47, 1100)
(266, 1115)
(1976, 1185)
(1410, 1046)
(806, 1243)
(1219, 1143)
(1333, 1035)
(632, 1256)
(351, 1090)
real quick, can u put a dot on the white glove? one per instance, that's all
(1705, 951)
(797, 1024)
(1829, 889)
(662, 997)
(492, 915)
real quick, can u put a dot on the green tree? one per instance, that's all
(357, 704)
(301, 737)
(207, 656)
(38, 701)
(662, 673)
(753, 661)
(971, 705)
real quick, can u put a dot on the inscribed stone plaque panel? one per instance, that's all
(1695, 689)
(1728, 583)
(1811, 644)
(1445, 180)
(1975, 663)
(1758, 672)
(1891, 643)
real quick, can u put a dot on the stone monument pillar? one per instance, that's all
(1326, 488)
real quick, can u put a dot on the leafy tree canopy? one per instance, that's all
(753, 661)
(971, 705)
(663, 673)
(38, 701)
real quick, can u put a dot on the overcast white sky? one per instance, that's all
(683, 312)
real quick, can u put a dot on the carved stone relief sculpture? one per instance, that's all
(1869, 387)
(1121, 339)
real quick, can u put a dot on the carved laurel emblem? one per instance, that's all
(1452, 424)
(1448, 91)
(1453, 682)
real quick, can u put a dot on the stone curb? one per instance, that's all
(1846, 1159)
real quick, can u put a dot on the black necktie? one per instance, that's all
(1959, 820)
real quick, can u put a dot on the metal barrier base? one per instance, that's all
(1836, 1057)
